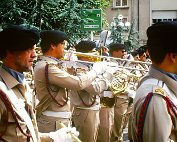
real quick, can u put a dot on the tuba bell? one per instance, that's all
(121, 80)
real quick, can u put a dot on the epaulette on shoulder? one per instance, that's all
(159, 90)
(55, 65)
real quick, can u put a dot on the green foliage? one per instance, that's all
(121, 34)
(64, 15)
(133, 38)
(117, 31)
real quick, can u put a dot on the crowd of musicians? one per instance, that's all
(98, 93)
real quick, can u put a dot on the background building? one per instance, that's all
(145, 12)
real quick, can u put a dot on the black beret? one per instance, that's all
(117, 46)
(53, 36)
(141, 51)
(18, 38)
(163, 35)
(85, 46)
(134, 53)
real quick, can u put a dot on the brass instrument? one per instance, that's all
(112, 59)
(121, 80)
(93, 57)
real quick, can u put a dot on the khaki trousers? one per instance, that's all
(48, 124)
(106, 124)
(120, 110)
(86, 122)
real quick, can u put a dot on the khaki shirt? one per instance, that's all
(23, 95)
(59, 80)
(158, 125)
(90, 92)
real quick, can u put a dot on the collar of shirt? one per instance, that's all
(53, 58)
(17, 75)
(171, 75)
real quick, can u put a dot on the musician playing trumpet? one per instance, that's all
(121, 107)
(53, 82)
(86, 102)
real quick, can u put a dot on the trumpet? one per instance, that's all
(109, 59)
(105, 57)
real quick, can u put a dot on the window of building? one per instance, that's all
(120, 3)
(159, 20)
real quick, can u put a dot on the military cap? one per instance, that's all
(85, 46)
(116, 47)
(162, 35)
(141, 51)
(134, 53)
(53, 36)
(18, 38)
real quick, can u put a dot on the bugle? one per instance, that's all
(111, 59)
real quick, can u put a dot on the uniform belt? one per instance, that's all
(108, 94)
(57, 114)
(96, 107)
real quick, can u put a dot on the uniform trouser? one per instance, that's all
(86, 122)
(129, 123)
(120, 110)
(106, 124)
(49, 124)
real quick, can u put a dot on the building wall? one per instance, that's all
(151, 11)
(164, 4)
(145, 13)
(144, 18)
(113, 11)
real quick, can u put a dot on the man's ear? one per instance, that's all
(52, 46)
(173, 57)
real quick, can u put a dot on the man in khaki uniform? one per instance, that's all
(121, 102)
(52, 82)
(87, 102)
(154, 116)
(17, 118)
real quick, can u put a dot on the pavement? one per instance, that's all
(125, 135)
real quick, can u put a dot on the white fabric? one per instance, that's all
(64, 134)
(96, 107)
(57, 114)
(108, 94)
(99, 67)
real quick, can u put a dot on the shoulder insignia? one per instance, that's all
(159, 90)
(55, 65)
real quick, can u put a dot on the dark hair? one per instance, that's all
(141, 51)
(116, 47)
(161, 40)
(85, 46)
(134, 53)
(53, 37)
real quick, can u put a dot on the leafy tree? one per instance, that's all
(117, 31)
(122, 34)
(65, 15)
(133, 38)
